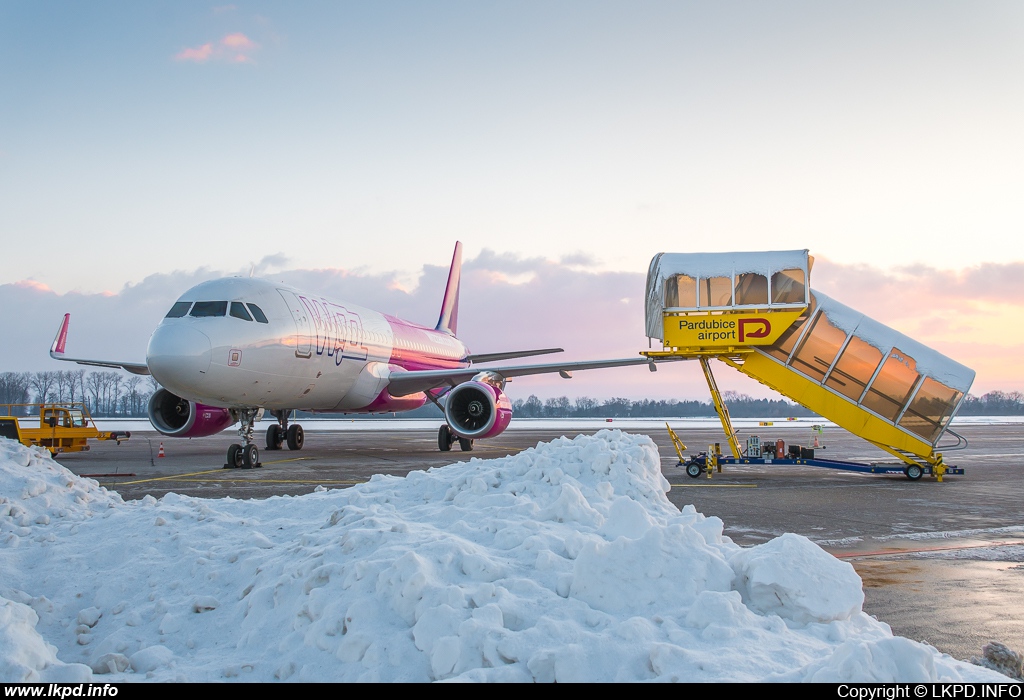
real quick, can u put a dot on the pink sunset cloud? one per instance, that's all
(231, 48)
(33, 285)
(238, 41)
(199, 54)
(967, 314)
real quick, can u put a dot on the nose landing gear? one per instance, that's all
(246, 455)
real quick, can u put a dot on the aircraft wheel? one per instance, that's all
(234, 457)
(693, 470)
(445, 438)
(296, 437)
(913, 472)
(465, 444)
(250, 457)
(275, 437)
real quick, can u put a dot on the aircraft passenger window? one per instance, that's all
(930, 410)
(892, 386)
(751, 288)
(238, 311)
(715, 291)
(179, 309)
(258, 314)
(204, 309)
(819, 348)
(855, 368)
(681, 291)
(788, 287)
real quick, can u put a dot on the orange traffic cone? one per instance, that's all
(161, 452)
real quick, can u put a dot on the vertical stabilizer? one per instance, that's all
(449, 318)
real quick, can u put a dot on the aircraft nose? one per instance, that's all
(179, 357)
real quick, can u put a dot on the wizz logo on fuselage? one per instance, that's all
(335, 329)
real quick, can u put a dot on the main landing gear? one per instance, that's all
(246, 455)
(446, 438)
(280, 433)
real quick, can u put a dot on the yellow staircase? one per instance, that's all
(757, 313)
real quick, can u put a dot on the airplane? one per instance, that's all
(231, 348)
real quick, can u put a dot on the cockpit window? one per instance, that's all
(238, 311)
(179, 309)
(209, 308)
(258, 314)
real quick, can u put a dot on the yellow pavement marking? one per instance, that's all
(172, 477)
(293, 459)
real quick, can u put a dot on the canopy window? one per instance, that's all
(789, 287)
(819, 348)
(751, 289)
(681, 292)
(931, 409)
(715, 291)
(783, 347)
(891, 388)
(854, 369)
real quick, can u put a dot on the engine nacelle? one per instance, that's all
(475, 409)
(177, 417)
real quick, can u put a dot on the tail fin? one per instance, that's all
(449, 318)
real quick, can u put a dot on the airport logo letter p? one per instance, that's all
(761, 328)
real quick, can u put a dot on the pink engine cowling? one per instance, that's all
(177, 417)
(477, 410)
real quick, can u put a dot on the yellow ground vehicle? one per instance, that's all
(63, 427)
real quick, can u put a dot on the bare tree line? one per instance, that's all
(105, 393)
(113, 393)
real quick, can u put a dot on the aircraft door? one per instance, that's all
(302, 327)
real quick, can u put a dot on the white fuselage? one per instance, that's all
(305, 352)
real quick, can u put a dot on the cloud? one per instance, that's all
(198, 54)
(33, 284)
(231, 48)
(238, 42)
(592, 314)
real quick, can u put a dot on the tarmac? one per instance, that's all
(941, 562)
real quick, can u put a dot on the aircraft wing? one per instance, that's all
(498, 356)
(402, 383)
(57, 353)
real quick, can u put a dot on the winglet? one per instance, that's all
(57, 349)
(449, 318)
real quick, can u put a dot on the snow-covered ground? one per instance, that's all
(565, 562)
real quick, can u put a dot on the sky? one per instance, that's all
(145, 147)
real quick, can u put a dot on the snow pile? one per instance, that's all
(566, 562)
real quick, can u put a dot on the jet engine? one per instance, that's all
(477, 409)
(177, 417)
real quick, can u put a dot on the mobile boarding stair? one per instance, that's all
(757, 313)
